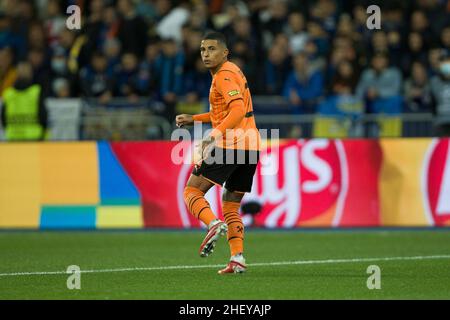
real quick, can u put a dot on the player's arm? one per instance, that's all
(235, 115)
(187, 119)
(202, 117)
(228, 86)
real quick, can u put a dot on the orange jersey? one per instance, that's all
(229, 84)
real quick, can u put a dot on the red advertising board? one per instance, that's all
(319, 182)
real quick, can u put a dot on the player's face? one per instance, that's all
(213, 53)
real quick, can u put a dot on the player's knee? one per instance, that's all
(199, 183)
(230, 196)
(190, 192)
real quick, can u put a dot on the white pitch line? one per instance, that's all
(259, 264)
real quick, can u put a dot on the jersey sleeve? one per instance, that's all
(202, 117)
(233, 118)
(228, 86)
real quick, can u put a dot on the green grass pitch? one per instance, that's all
(282, 265)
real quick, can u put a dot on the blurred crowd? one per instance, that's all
(304, 51)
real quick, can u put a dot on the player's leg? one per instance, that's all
(202, 179)
(239, 182)
(231, 201)
(194, 196)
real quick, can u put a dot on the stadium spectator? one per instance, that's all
(147, 68)
(395, 47)
(242, 51)
(111, 50)
(54, 22)
(341, 104)
(162, 8)
(242, 31)
(318, 34)
(304, 86)
(380, 80)
(199, 17)
(190, 46)
(347, 46)
(133, 29)
(295, 30)
(436, 12)
(41, 74)
(147, 10)
(325, 13)
(110, 24)
(96, 9)
(360, 24)
(393, 18)
(170, 25)
(22, 16)
(275, 18)
(315, 60)
(440, 87)
(417, 91)
(378, 44)
(73, 44)
(61, 88)
(345, 79)
(232, 11)
(197, 83)
(127, 78)
(416, 51)
(23, 114)
(8, 73)
(102, 27)
(10, 38)
(445, 38)
(420, 24)
(169, 73)
(282, 41)
(95, 79)
(59, 68)
(433, 63)
(341, 51)
(36, 38)
(26, 12)
(346, 28)
(38, 54)
(277, 68)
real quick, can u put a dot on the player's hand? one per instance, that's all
(184, 120)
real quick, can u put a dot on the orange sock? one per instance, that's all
(197, 205)
(235, 226)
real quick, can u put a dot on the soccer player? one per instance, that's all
(230, 152)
